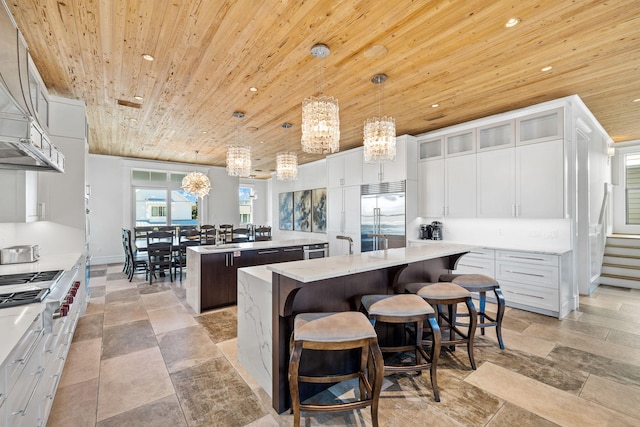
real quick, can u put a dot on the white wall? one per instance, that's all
(111, 199)
(52, 238)
(310, 176)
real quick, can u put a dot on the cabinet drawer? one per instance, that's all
(531, 274)
(527, 257)
(533, 296)
(26, 350)
(475, 265)
(481, 253)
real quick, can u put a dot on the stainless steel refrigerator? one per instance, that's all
(382, 212)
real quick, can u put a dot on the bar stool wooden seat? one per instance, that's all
(449, 294)
(482, 284)
(408, 309)
(337, 331)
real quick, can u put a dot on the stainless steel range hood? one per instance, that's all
(23, 142)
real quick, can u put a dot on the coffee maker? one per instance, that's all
(425, 231)
(436, 230)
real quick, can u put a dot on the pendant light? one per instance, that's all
(320, 117)
(287, 163)
(238, 156)
(196, 183)
(379, 132)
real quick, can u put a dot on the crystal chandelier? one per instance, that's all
(320, 118)
(238, 160)
(287, 166)
(196, 183)
(379, 132)
(287, 163)
(238, 156)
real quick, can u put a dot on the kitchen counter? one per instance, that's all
(336, 284)
(212, 270)
(45, 263)
(232, 247)
(332, 267)
(549, 251)
(14, 321)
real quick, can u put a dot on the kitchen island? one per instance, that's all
(212, 270)
(321, 285)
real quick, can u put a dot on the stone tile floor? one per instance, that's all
(141, 357)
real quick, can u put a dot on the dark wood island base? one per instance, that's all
(342, 293)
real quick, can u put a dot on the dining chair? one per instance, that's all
(187, 238)
(135, 262)
(226, 232)
(263, 234)
(240, 235)
(160, 253)
(207, 234)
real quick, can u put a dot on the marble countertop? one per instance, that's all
(500, 248)
(232, 247)
(14, 321)
(325, 268)
(45, 263)
(259, 271)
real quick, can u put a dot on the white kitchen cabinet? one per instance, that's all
(431, 148)
(496, 175)
(496, 136)
(344, 169)
(540, 187)
(392, 170)
(460, 184)
(431, 188)
(343, 218)
(540, 127)
(460, 143)
(19, 194)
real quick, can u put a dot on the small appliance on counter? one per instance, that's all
(426, 231)
(20, 254)
(436, 230)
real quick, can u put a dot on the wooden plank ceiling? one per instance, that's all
(208, 53)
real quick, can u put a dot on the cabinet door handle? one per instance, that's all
(471, 266)
(23, 411)
(513, 210)
(524, 294)
(292, 249)
(525, 274)
(267, 252)
(525, 257)
(32, 347)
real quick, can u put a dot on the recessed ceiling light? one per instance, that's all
(547, 68)
(512, 22)
(253, 89)
(138, 98)
(133, 119)
(435, 105)
(261, 142)
(636, 100)
(204, 131)
(148, 57)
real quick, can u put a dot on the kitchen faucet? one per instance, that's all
(350, 242)
(385, 240)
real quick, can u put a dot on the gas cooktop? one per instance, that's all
(26, 288)
(26, 278)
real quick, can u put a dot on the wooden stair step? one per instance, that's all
(630, 267)
(618, 276)
(609, 245)
(622, 256)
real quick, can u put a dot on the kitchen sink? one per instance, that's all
(227, 246)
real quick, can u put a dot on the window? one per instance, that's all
(152, 189)
(632, 188)
(246, 197)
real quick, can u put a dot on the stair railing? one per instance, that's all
(601, 231)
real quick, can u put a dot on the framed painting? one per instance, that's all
(302, 210)
(285, 210)
(319, 210)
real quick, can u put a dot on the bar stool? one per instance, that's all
(482, 284)
(406, 309)
(449, 294)
(337, 331)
